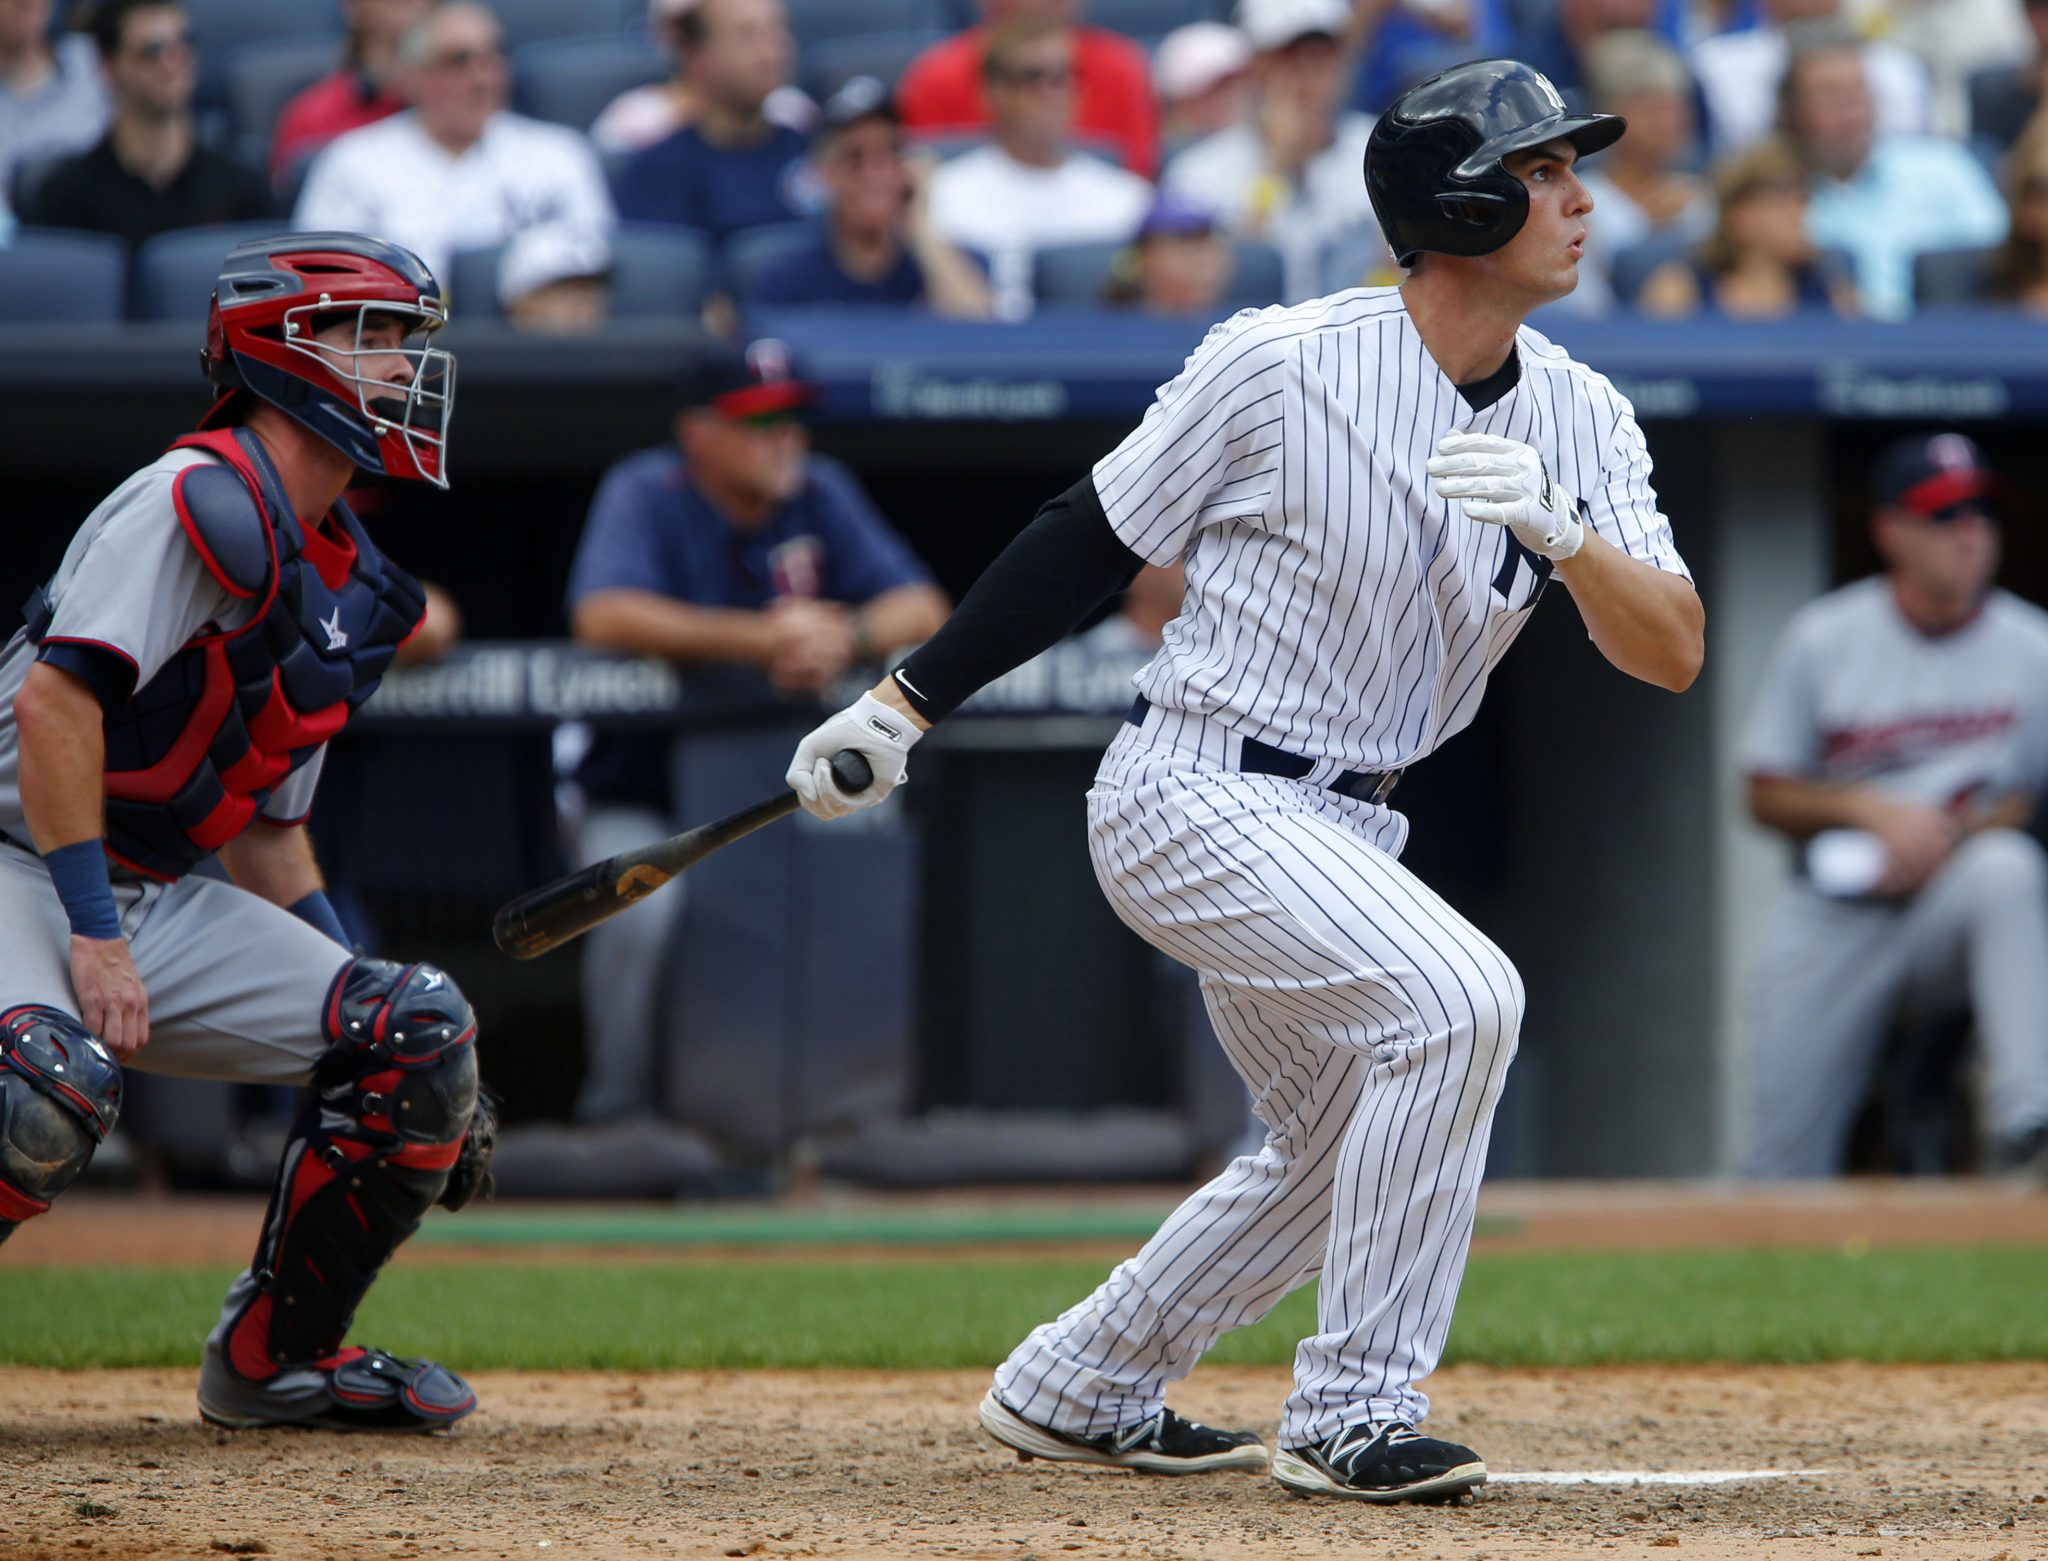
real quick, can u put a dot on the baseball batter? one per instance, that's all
(1369, 493)
(212, 624)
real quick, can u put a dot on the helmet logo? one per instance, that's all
(1952, 453)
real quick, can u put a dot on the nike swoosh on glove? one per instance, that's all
(1502, 482)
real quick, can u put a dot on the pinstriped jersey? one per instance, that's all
(1335, 607)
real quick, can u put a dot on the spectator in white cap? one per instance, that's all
(1029, 188)
(556, 280)
(1291, 174)
(644, 115)
(1202, 79)
(877, 244)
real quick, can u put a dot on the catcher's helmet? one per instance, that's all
(1433, 164)
(274, 293)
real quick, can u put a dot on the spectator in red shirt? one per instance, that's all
(360, 93)
(941, 91)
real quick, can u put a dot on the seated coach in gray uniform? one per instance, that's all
(733, 546)
(1900, 740)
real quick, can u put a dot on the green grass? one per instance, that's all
(1906, 1304)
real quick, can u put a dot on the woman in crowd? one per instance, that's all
(1758, 263)
(2020, 273)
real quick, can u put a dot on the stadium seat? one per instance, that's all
(175, 271)
(829, 65)
(223, 28)
(531, 21)
(749, 255)
(818, 21)
(1633, 264)
(1147, 18)
(657, 271)
(56, 276)
(1079, 274)
(1952, 276)
(262, 78)
(571, 81)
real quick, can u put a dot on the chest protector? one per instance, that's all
(193, 755)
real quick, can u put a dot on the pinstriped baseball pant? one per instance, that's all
(1373, 1026)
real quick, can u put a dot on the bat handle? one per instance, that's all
(850, 769)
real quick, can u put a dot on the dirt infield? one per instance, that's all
(1932, 1463)
(105, 1229)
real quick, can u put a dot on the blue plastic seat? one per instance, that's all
(657, 271)
(222, 28)
(1080, 273)
(818, 21)
(831, 63)
(1953, 276)
(175, 271)
(531, 21)
(571, 81)
(1146, 18)
(54, 276)
(262, 78)
(752, 253)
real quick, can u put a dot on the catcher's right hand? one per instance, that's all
(881, 735)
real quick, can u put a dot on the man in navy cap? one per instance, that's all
(734, 546)
(1900, 741)
(876, 244)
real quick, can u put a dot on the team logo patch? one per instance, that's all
(337, 637)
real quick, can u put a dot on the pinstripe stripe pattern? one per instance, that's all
(1338, 611)
(1373, 1026)
(1334, 606)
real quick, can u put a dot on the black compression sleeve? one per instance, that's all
(1057, 571)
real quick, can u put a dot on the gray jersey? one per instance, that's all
(131, 584)
(1855, 693)
(1335, 607)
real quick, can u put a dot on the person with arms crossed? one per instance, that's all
(735, 547)
(1369, 492)
(1900, 740)
(214, 622)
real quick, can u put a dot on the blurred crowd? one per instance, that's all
(557, 160)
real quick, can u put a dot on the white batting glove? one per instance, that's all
(880, 735)
(1502, 482)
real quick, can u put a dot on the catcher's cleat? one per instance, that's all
(1385, 1463)
(1162, 1443)
(355, 1390)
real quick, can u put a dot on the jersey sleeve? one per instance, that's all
(135, 595)
(1623, 506)
(863, 556)
(292, 802)
(1783, 734)
(335, 199)
(621, 546)
(1208, 450)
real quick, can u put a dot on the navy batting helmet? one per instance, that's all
(1433, 165)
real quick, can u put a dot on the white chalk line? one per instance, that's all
(1645, 1476)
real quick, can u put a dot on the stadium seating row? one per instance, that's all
(54, 276)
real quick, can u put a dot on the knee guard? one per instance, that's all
(391, 1124)
(59, 1095)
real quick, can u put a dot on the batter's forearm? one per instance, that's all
(1645, 621)
(63, 758)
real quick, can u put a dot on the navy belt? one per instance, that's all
(1257, 758)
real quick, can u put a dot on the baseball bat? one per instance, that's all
(545, 918)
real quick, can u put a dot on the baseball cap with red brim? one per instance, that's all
(1937, 476)
(757, 380)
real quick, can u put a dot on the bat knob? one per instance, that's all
(850, 769)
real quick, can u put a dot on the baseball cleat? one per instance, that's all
(1162, 1443)
(1385, 1463)
(355, 1390)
